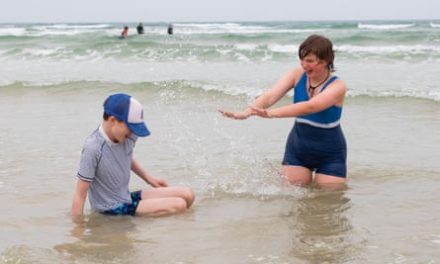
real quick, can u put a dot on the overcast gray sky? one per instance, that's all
(221, 10)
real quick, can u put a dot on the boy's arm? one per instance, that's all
(143, 174)
(79, 198)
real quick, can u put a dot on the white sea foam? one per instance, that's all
(35, 52)
(235, 90)
(12, 31)
(384, 26)
(414, 49)
(208, 25)
(248, 30)
(6, 82)
(234, 28)
(44, 31)
(53, 30)
(431, 95)
(434, 25)
(246, 46)
(79, 26)
(283, 48)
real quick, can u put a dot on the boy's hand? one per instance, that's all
(157, 183)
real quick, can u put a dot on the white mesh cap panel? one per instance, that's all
(135, 113)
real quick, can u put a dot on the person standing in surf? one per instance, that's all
(316, 150)
(140, 28)
(170, 29)
(124, 33)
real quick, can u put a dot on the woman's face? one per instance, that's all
(312, 65)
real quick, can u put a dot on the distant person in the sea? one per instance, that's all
(124, 32)
(140, 29)
(316, 148)
(107, 159)
(170, 29)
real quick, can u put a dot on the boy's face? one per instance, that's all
(119, 131)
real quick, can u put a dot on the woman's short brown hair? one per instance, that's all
(319, 45)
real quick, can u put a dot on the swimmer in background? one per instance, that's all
(140, 29)
(124, 33)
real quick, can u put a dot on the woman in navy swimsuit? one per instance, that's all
(315, 150)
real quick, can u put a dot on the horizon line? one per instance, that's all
(222, 21)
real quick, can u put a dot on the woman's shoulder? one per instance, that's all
(337, 87)
(294, 75)
(298, 72)
(338, 82)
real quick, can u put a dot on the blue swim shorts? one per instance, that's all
(127, 208)
(322, 150)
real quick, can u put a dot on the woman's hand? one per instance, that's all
(237, 115)
(261, 112)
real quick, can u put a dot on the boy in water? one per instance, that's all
(106, 161)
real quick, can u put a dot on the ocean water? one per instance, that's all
(55, 77)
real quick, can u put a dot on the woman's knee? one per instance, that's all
(329, 182)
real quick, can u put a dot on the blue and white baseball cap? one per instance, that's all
(127, 109)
